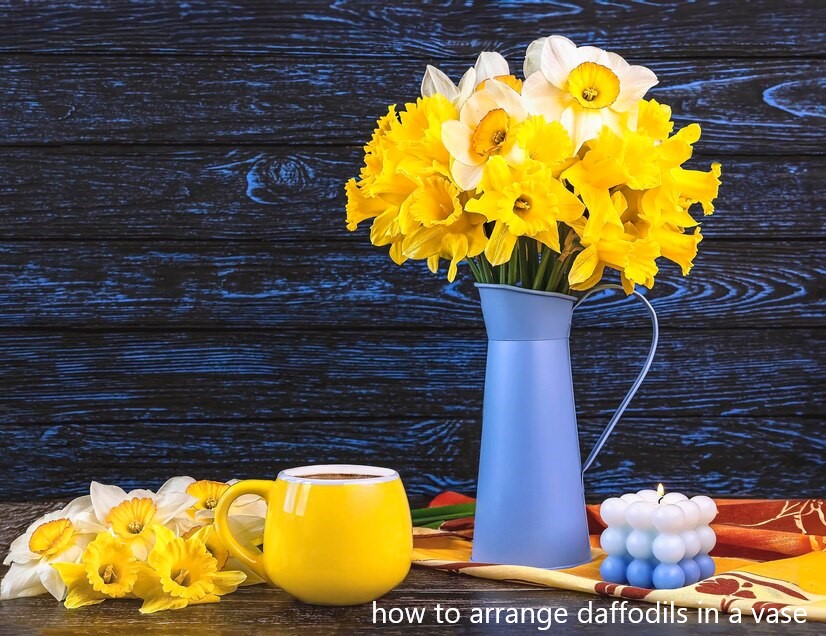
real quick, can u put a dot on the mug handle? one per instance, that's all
(253, 560)
(634, 387)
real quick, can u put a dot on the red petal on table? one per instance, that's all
(450, 498)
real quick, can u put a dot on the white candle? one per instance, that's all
(666, 535)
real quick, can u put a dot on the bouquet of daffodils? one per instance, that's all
(543, 182)
(158, 547)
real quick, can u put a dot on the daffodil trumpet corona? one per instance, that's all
(547, 182)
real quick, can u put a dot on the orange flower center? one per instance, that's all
(491, 133)
(593, 86)
(52, 537)
(131, 517)
(206, 492)
(509, 80)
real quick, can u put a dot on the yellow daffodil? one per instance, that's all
(522, 203)
(213, 543)
(435, 225)
(584, 88)
(654, 119)
(404, 149)
(541, 142)
(108, 569)
(182, 572)
(57, 536)
(482, 131)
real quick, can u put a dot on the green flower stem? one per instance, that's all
(553, 279)
(538, 282)
(522, 252)
(423, 516)
(533, 262)
(477, 273)
(486, 267)
(513, 267)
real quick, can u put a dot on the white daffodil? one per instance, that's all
(584, 88)
(488, 65)
(482, 130)
(130, 515)
(59, 536)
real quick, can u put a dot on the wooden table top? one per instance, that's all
(267, 610)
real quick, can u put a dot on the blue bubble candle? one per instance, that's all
(657, 540)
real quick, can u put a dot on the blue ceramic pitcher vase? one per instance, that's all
(530, 506)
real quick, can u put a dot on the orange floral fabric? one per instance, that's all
(769, 554)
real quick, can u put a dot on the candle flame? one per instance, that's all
(660, 490)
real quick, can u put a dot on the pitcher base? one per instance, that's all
(541, 567)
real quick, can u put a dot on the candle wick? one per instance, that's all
(660, 500)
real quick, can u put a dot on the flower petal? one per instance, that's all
(51, 580)
(507, 99)
(158, 601)
(175, 484)
(21, 580)
(634, 83)
(172, 504)
(584, 265)
(466, 87)
(104, 498)
(559, 57)
(457, 138)
(497, 176)
(77, 506)
(490, 64)
(436, 82)
(465, 176)
(476, 107)
(501, 243)
(543, 98)
(533, 57)
(582, 124)
(423, 243)
(227, 582)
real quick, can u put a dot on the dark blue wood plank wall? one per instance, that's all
(178, 293)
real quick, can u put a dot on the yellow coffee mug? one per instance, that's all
(336, 534)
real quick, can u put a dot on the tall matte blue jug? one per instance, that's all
(530, 506)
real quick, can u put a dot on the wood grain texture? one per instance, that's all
(296, 194)
(691, 454)
(201, 376)
(429, 31)
(352, 285)
(765, 107)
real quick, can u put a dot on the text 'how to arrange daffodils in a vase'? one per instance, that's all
(543, 182)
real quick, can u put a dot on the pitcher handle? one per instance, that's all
(634, 387)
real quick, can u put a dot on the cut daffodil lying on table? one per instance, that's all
(155, 546)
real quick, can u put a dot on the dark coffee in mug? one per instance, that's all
(337, 476)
